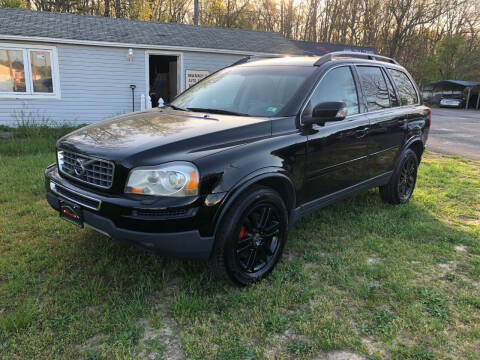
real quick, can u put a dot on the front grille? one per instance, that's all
(93, 171)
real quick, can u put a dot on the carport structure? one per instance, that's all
(435, 90)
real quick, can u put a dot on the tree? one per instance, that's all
(452, 60)
(434, 38)
(17, 4)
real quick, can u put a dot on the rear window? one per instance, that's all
(374, 87)
(405, 88)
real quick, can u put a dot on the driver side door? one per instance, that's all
(337, 152)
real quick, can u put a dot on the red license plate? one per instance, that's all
(71, 212)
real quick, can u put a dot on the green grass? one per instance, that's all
(359, 276)
(32, 137)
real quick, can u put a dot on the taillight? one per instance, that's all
(429, 117)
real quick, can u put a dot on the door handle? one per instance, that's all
(361, 133)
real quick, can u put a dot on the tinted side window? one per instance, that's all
(374, 87)
(336, 85)
(405, 88)
(393, 97)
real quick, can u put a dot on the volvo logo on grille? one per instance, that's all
(79, 167)
(93, 171)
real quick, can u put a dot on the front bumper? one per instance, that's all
(116, 217)
(451, 105)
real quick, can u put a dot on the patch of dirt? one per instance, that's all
(90, 344)
(475, 164)
(167, 336)
(452, 270)
(340, 355)
(312, 271)
(435, 272)
(461, 248)
(447, 271)
(475, 284)
(434, 156)
(94, 309)
(448, 267)
(470, 221)
(292, 256)
(373, 347)
(372, 260)
(275, 351)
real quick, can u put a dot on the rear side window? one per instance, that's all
(391, 92)
(405, 88)
(374, 87)
(337, 85)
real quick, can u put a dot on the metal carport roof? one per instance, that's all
(456, 84)
(459, 83)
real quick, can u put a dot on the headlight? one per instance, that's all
(171, 179)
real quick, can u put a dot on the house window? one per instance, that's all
(28, 72)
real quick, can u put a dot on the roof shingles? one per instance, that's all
(94, 28)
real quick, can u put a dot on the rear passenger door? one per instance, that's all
(387, 119)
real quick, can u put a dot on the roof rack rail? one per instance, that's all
(256, 57)
(336, 54)
(240, 61)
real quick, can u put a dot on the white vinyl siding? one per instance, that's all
(94, 82)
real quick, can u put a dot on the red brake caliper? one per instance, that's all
(243, 233)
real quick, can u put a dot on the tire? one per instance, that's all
(402, 184)
(251, 237)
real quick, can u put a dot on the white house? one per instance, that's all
(82, 69)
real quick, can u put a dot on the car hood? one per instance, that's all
(159, 135)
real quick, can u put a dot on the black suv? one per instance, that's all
(224, 171)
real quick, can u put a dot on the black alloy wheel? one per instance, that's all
(402, 183)
(251, 237)
(407, 178)
(259, 238)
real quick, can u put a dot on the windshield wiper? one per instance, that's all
(175, 107)
(217, 111)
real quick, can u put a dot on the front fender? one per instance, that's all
(280, 158)
(277, 175)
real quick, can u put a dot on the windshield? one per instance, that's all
(245, 90)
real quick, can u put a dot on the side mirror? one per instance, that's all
(326, 111)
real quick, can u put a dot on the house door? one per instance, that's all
(163, 78)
